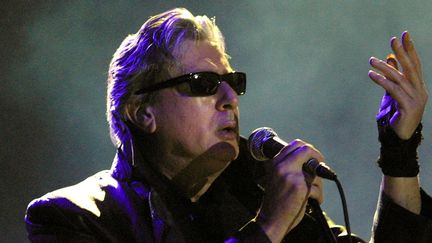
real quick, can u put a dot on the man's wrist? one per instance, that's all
(398, 157)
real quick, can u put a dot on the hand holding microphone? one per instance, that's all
(288, 186)
(264, 144)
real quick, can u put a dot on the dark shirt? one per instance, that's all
(136, 204)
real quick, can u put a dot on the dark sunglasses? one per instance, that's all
(203, 83)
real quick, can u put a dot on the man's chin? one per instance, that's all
(213, 161)
(223, 151)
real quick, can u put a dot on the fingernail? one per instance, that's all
(372, 60)
(392, 40)
(373, 75)
(405, 34)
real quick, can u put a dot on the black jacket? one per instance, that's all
(118, 206)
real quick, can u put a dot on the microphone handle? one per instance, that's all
(274, 145)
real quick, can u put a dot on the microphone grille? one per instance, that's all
(256, 142)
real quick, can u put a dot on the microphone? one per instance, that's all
(264, 144)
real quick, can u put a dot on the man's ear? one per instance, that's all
(142, 116)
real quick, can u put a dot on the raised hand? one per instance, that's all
(406, 92)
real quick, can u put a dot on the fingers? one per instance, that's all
(387, 101)
(289, 164)
(406, 59)
(403, 83)
(295, 154)
(288, 189)
(410, 78)
(391, 74)
(396, 90)
(387, 104)
(408, 45)
(409, 59)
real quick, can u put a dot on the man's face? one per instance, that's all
(200, 133)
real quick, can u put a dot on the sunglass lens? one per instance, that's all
(205, 84)
(238, 82)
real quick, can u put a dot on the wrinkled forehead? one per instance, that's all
(200, 56)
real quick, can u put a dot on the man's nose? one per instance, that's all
(227, 97)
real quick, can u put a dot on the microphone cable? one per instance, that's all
(345, 208)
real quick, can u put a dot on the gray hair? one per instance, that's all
(147, 57)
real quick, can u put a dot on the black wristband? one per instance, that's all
(398, 157)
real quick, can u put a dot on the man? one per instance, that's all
(182, 172)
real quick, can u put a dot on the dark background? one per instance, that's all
(306, 61)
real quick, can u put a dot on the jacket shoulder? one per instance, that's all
(77, 198)
(100, 207)
(71, 208)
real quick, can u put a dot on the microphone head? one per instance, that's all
(256, 142)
